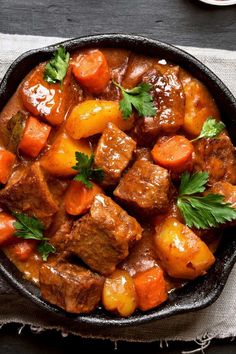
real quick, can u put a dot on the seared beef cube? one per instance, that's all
(71, 287)
(142, 256)
(102, 238)
(145, 188)
(113, 153)
(117, 60)
(169, 100)
(138, 65)
(143, 154)
(217, 157)
(60, 229)
(27, 191)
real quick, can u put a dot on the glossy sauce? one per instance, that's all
(29, 268)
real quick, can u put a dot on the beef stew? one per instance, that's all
(134, 193)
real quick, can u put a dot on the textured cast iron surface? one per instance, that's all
(198, 293)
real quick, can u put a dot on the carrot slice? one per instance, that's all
(92, 71)
(7, 160)
(34, 137)
(7, 229)
(23, 249)
(174, 153)
(151, 288)
(78, 198)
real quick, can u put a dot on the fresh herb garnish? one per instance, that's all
(56, 68)
(138, 98)
(202, 212)
(45, 248)
(30, 228)
(86, 171)
(211, 128)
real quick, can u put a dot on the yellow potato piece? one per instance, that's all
(182, 253)
(61, 157)
(91, 117)
(119, 293)
(199, 105)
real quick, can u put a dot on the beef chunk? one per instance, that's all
(227, 190)
(142, 256)
(27, 192)
(71, 287)
(217, 157)
(137, 66)
(102, 238)
(169, 100)
(113, 153)
(59, 231)
(143, 154)
(145, 188)
(117, 60)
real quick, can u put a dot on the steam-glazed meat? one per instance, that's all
(217, 157)
(145, 188)
(73, 288)
(59, 231)
(137, 67)
(27, 191)
(102, 238)
(169, 100)
(117, 60)
(142, 256)
(143, 154)
(113, 153)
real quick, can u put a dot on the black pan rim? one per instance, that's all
(216, 86)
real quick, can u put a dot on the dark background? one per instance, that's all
(182, 22)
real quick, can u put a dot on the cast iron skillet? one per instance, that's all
(198, 293)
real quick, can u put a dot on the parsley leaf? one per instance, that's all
(138, 98)
(56, 68)
(194, 183)
(44, 249)
(27, 227)
(211, 128)
(86, 171)
(30, 228)
(202, 212)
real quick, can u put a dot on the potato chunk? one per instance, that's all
(199, 105)
(61, 157)
(91, 117)
(182, 253)
(119, 293)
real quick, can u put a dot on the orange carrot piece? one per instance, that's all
(174, 153)
(151, 288)
(78, 198)
(23, 249)
(92, 71)
(7, 160)
(35, 137)
(7, 229)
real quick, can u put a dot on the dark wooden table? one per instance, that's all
(183, 22)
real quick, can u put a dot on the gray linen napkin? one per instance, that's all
(216, 321)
